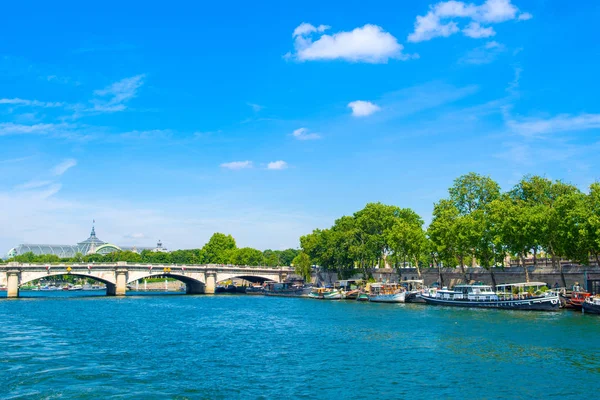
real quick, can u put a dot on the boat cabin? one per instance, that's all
(384, 288)
(521, 289)
(467, 292)
(413, 284)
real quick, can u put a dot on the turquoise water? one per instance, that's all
(72, 345)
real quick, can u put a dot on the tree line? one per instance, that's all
(220, 249)
(476, 224)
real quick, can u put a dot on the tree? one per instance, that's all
(271, 258)
(592, 224)
(539, 197)
(473, 192)
(287, 256)
(246, 256)
(218, 249)
(302, 266)
(408, 242)
(372, 224)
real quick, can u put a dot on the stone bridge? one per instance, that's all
(197, 278)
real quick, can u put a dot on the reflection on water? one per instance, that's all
(81, 345)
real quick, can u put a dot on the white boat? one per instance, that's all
(325, 294)
(76, 287)
(93, 287)
(386, 293)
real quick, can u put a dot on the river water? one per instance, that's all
(72, 345)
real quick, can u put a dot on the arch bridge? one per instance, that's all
(197, 278)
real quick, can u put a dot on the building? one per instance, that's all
(91, 245)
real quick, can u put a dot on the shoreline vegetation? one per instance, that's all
(475, 225)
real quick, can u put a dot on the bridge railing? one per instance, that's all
(139, 265)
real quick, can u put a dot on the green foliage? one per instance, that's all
(246, 256)
(219, 249)
(302, 266)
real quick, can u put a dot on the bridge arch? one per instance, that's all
(254, 278)
(193, 285)
(30, 277)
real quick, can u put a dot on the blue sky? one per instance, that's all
(267, 120)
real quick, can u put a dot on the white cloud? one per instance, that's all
(305, 28)
(483, 54)
(429, 27)
(532, 127)
(117, 94)
(435, 23)
(64, 166)
(255, 107)
(32, 185)
(525, 16)
(31, 103)
(362, 108)
(9, 128)
(476, 31)
(370, 44)
(305, 134)
(277, 165)
(237, 165)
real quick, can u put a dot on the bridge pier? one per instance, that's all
(12, 284)
(211, 283)
(121, 285)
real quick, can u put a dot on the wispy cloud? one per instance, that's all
(362, 108)
(31, 103)
(64, 166)
(10, 128)
(369, 44)
(114, 97)
(483, 54)
(255, 107)
(237, 165)
(15, 160)
(277, 165)
(32, 185)
(305, 134)
(536, 127)
(440, 19)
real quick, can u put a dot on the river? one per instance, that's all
(76, 345)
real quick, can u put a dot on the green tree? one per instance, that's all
(271, 258)
(246, 256)
(592, 224)
(407, 240)
(302, 266)
(219, 248)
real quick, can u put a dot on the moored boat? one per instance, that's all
(576, 300)
(255, 289)
(387, 293)
(325, 294)
(76, 287)
(286, 289)
(362, 296)
(482, 296)
(352, 294)
(414, 288)
(591, 305)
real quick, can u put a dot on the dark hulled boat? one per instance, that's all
(286, 289)
(482, 296)
(591, 305)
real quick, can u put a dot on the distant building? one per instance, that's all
(91, 245)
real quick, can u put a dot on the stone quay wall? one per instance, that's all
(452, 276)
